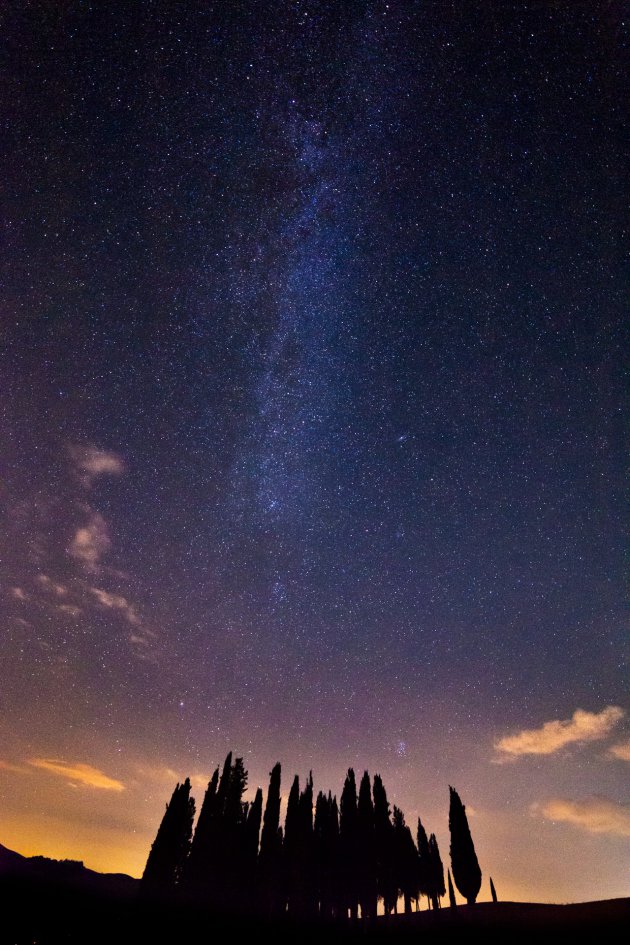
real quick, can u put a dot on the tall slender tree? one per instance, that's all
(451, 893)
(437, 888)
(406, 860)
(424, 862)
(366, 850)
(493, 891)
(196, 866)
(348, 835)
(291, 848)
(384, 844)
(464, 863)
(269, 861)
(172, 842)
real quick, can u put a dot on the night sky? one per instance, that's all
(311, 430)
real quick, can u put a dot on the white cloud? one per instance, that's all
(18, 593)
(90, 463)
(91, 542)
(554, 735)
(116, 602)
(621, 750)
(593, 814)
(78, 772)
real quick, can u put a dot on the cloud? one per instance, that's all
(91, 542)
(78, 772)
(116, 602)
(582, 727)
(70, 609)
(15, 769)
(18, 593)
(59, 590)
(621, 750)
(90, 463)
(594, 814)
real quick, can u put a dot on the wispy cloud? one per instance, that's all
(18, 593)
(594, 814)
(91, 462)
(45, 582)
(13, 768)
(91, 542)
(554, 735)
(116, 602)
(78, 772)
(621, 750)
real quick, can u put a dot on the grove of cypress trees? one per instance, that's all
(466, 871)
(172, 843)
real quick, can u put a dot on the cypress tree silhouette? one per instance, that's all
(290, 847)
(384, 844)
(269, 861)
(451, 893)
(348, 830)
(424, 862)
(172, 842)
(437, 889)
(197, 865)
(366, 862)
(466, 871)
(406, 860)
(493, 891)
(306, 904)
(232, 836)
(252, 833)
(326, 852)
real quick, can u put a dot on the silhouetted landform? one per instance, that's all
(50, 907)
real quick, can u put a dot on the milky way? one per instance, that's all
(311, 416)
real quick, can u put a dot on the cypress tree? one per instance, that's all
(436, 872)
(406, 860)
(366, 850)
(348, 845)
(424, 862)
(291, 846)
(172, 843)
(269, 861)
(451, 893)
(326, 851)
(384, 844)
(252, 832)
(466, 871)
(493, 891)
(196, 865)
(306, 904)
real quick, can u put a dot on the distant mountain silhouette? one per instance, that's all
(43, 869)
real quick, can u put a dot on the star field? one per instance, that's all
(311, 414)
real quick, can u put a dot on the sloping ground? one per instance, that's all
(604, 921)
(50, 902)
